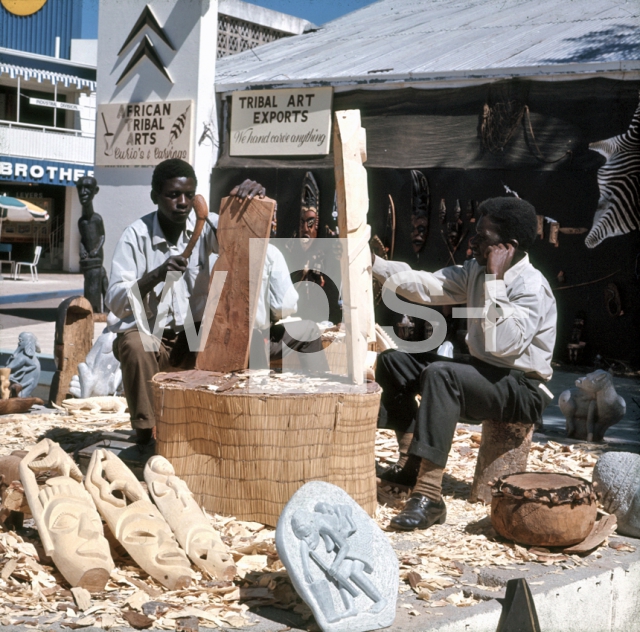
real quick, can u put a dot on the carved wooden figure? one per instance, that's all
(135, 521)
(5, 372)
(67, 521)
(350, 152)
(195, 534)
(73, 340)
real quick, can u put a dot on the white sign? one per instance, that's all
(295, 122)
(143, 134)
(60, 105)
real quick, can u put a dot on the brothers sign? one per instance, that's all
(294, 122)
(143, 134)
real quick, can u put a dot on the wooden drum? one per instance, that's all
(245, 443)
(543, 508)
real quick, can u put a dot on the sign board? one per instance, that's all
(42, 171)
(293, 122)
(143, 134)
(60, 105)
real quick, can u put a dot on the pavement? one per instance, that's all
(601, 596)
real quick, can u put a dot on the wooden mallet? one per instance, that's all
(202, 212)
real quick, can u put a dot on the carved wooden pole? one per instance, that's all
(349, 149)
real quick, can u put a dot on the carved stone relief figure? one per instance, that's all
(348, 570)
(68, 523)
(24, 365)
(420, 206)
(195, 535)
(135, 521)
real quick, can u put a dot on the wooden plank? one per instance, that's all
(73, 341)
(229, 339)
(349, 149)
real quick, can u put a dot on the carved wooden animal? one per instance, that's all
(196, 535)
(17, 405)
(68, 523)
(592, 407)
(105, 404)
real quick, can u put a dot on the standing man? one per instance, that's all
(147, 250)
(91, 230)
(511, 346)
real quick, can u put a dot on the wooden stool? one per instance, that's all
(504, 449)
(244, 450)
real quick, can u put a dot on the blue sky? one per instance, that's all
(316, 11)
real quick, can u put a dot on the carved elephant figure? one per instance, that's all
(592, 406)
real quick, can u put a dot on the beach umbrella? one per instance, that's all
(9, 204)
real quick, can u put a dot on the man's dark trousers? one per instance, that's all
(471, 389)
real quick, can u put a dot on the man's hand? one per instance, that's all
(499, 259)
(248, 189)
(176, 263)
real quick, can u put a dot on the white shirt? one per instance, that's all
(143, 247)
(524, 333)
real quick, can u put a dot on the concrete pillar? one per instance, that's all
(72, 213)
(191, 28)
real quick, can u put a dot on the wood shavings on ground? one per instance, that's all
(431, 562)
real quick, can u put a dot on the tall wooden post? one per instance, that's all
(349, 149)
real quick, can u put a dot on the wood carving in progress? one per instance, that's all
(74, 338)
(227, 345)
(135, 521)
(195, 535)
(349, 148)
(67, 521)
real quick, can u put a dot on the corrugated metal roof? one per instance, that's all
(421, 40)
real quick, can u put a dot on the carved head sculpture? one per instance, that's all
(420, 206)
(87, 188)
(309, 210)
(196, 535)
(67, 520)
(135, 521)
(28, 344)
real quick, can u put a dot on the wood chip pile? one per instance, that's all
(432, 562)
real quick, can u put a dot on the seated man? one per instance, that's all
(147, 250)
(511, 347)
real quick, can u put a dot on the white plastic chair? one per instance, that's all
(32, 266)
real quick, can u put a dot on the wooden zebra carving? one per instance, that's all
(618, 209)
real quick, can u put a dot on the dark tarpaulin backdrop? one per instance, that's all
(545, 128)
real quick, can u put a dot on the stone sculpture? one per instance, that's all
(100, 373)
(616, 478)
(91, 229)
(67, 521)
(135, 522)
(592, 407)
(195, 535)
(24, 366)
(338, 559)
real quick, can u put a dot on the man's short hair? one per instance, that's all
(514, 219)
(169, 169)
